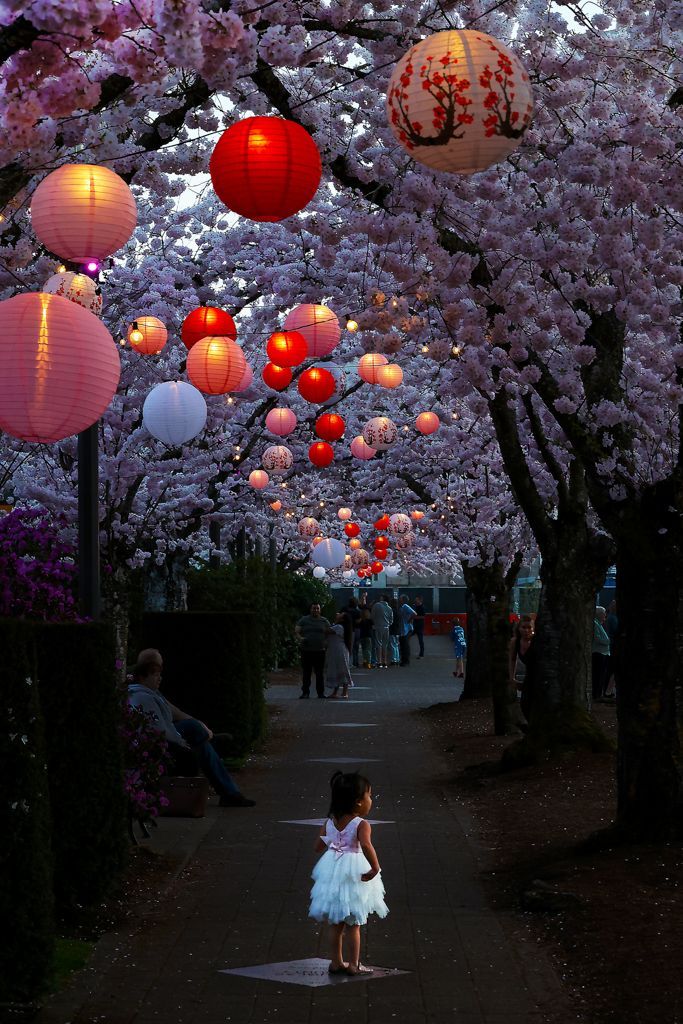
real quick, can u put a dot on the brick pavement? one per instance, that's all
(242, 899)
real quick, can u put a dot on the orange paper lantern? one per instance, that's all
(369, 364)
(287, 348)
(321, 453)
(216, 365)
(416, 515)
(204, 322)
(276, 377)
(83, 212)
(316, 385)
(276, 505)
(265, 168)
(330, 427)
(246, 380)
(59, 367)
(258, 479)
(354, 543)
(427, 422)
(147, 335)
(390, 375)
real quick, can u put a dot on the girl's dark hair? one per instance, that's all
(347, 789)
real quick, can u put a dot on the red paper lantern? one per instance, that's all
(382, 523)
(216, 365)
(352, 529)
(321, 453)
(276, 377)
(376, 568)
(265, 168)
(381, 542)
(330, 427)
(316, 385)
(207, 321)
(287, 348)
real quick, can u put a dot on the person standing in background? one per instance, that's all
(419, 625)
(312, 631)
(407, 616)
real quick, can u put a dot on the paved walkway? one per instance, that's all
(242, 901)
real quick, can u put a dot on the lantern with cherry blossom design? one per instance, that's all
(265, 168)
(281, 422)
(287, 348)
(319, 326)
(344, 514)
(308, 527)
(174, 412)
(427, 422)
(276, 377)
(216, 365)
(404, 542)
(389, 375)
(352, 529)
(361, 450)
(360, 557)
(329, 553)
(459, 101)
(321, 454)
(205, 322)
(147, 335)
(330, 427)
(316, 385)
(78, 288)
(83, 212)
(277, 459)
(258, 479)
(400, 523)
(380, 433)
(369, 364)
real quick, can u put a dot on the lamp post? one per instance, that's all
(89, 523)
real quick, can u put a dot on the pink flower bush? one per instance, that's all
(37, 568)
(145, 762)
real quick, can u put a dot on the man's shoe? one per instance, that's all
(236, 800)
(304, 696)
(322, 696)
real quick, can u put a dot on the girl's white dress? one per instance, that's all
(337, 668)
(338, 893)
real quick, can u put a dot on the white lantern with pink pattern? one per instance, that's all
(400, 524)
(277, 459)
(78, 288)
(308, 527)
(380, 433)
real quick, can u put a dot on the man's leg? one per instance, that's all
(404, 646)
(421, 641)
(306, 669)
(194, 733)
(319, 668)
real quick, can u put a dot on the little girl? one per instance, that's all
(339, 644)
(347, 884)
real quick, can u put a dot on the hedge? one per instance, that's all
(81, 707)
(26, 905)
(212, 669)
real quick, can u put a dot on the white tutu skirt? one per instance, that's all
(339, 894)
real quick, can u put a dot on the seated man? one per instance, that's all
(184, 733)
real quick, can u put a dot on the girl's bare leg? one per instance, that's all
(336, 940)
(353, 944)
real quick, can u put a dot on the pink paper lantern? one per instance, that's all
(361, 450)
(344, 514)
(280, 422)
(147, 335)
(59, 367)
(247, 378)
(258, 479)
(427, 422)
(83, 212)
(369, 364)
(319, 326)
(216, 365)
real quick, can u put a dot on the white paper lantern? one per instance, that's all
(392, 569)
(348, 574)
(329, 553)
(319, 572)
(277, 459)
(380, 433)
(174, 412)
(319, 326)
(400, 523)
(308, 527)
(78, 288)
(344, 514)
(258, 479)
(280, 422)
(459, 101)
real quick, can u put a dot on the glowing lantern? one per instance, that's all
(321, 453)
(380, 433)
(83, 212)
(381, 541)
(382, 523)
(376, 568)
(317, 540)
(205, 322)
(352, 529)
(330, 427)
(287, 348)
(459, 101)
(416, 515)
(174, 412)
(316, 385)
(348, 574)
(78, 288)
(329, 553)
(277, 459)
(389, 375)
(354, 544)
(276, 377)
(400, 523)
(319, 326)
(308, 527)
(361, 450)
(59, 367)
(216, 365)
(280, 422)
(339, 380)
(147, 334)
(360, 557)
(369, 364)
(392, 570)
(405, 542)
(247, 378)
(258, 479)
(427, 422)
(276, 505)
(319, 572)
(344, 514)
(265, 168)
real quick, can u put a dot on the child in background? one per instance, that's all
(366, 628)
(339, 645)
(347, 884)
(460, 647)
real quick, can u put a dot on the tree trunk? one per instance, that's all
(478, 677)
(117, 611)
(166, 585)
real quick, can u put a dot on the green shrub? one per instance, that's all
(26, 906)
(212, 669)
(76, 677)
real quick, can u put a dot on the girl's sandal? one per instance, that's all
(342, 969)
(354, 969)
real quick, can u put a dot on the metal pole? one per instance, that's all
(272, 556)
(89, 523)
